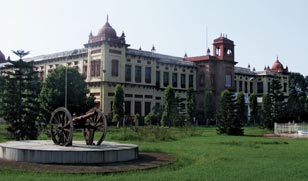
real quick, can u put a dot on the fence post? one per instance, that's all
(275, 128)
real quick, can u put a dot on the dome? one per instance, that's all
(277, 66)
(107, 31)
(2, 57)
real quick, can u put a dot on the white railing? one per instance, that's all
(290, 128)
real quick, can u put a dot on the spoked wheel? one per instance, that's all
(61, 127)
(96, 122)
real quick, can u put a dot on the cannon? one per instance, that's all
(62, 125)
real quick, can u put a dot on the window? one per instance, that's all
(284, 87)
(251, 87)
(240, 84)
(191, 81)
(260, 87)
(246, 87)
(128, 73)
(228, 81)
(85, 70)
(166, 79)
(138, 107)
(148, 75)
(147, 108)
(138, 74)
(127, 108)
(95, 68)
(114, 68)
(183, 81)
(175, 80)
(157, 79)
(235, 85)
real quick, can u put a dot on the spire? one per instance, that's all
(208, 51)
(249, 66)
(153, 48)
(185, 55)
(107, 18)
(90, 35)
(140, 48)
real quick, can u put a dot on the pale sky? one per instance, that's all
(261, 29)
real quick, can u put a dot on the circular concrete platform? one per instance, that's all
(45, 151)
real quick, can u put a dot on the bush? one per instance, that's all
(151, 119)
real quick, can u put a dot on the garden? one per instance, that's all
(200, 154)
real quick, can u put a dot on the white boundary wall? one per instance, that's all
(290, 128)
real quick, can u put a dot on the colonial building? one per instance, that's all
(107, 60)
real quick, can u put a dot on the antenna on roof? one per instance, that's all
(207, 43)
(107, 18)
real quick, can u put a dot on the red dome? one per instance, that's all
(107, 32)
(277, 66)
(2, 57)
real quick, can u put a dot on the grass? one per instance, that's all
(201, 155)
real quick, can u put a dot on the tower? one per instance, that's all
(223, 48)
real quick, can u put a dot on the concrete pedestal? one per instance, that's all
(44, 151)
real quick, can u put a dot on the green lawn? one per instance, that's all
(202, 155)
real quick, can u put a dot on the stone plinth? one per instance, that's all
(44, 151)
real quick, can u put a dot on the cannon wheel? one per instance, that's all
(61, 127)
(94, 123)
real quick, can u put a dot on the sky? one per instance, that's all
(260, 29)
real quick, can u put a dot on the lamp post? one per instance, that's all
(65, 96)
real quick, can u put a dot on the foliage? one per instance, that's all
(117, 106)
(179, 106)
(137, 119)
(151, 119)
(90, 103)
(277, 101)
(209, 105)
(190, 105)
(52, 94)
(240, 102)
(297, 84)
(267, 111)
(253, 105)
(228, 122)
(296, 99)
(169, 107)
(20, 104)
(157, 134)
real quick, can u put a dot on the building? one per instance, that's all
(107, 60)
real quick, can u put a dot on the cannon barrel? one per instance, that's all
(83, 117)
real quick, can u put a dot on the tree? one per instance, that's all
(228, 122)
(168, 107)
(2, 87)
(20, 98)
(117, 106)
(52, 94)
(151, 119)
(277, 100)
(267, 111)
(253, 105)
(209, 105)
(297, 96)
(190, 105)
(241, 113)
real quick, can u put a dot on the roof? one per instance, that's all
(56, 55)
(244, 71)
(160, 57)
(199, 58)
